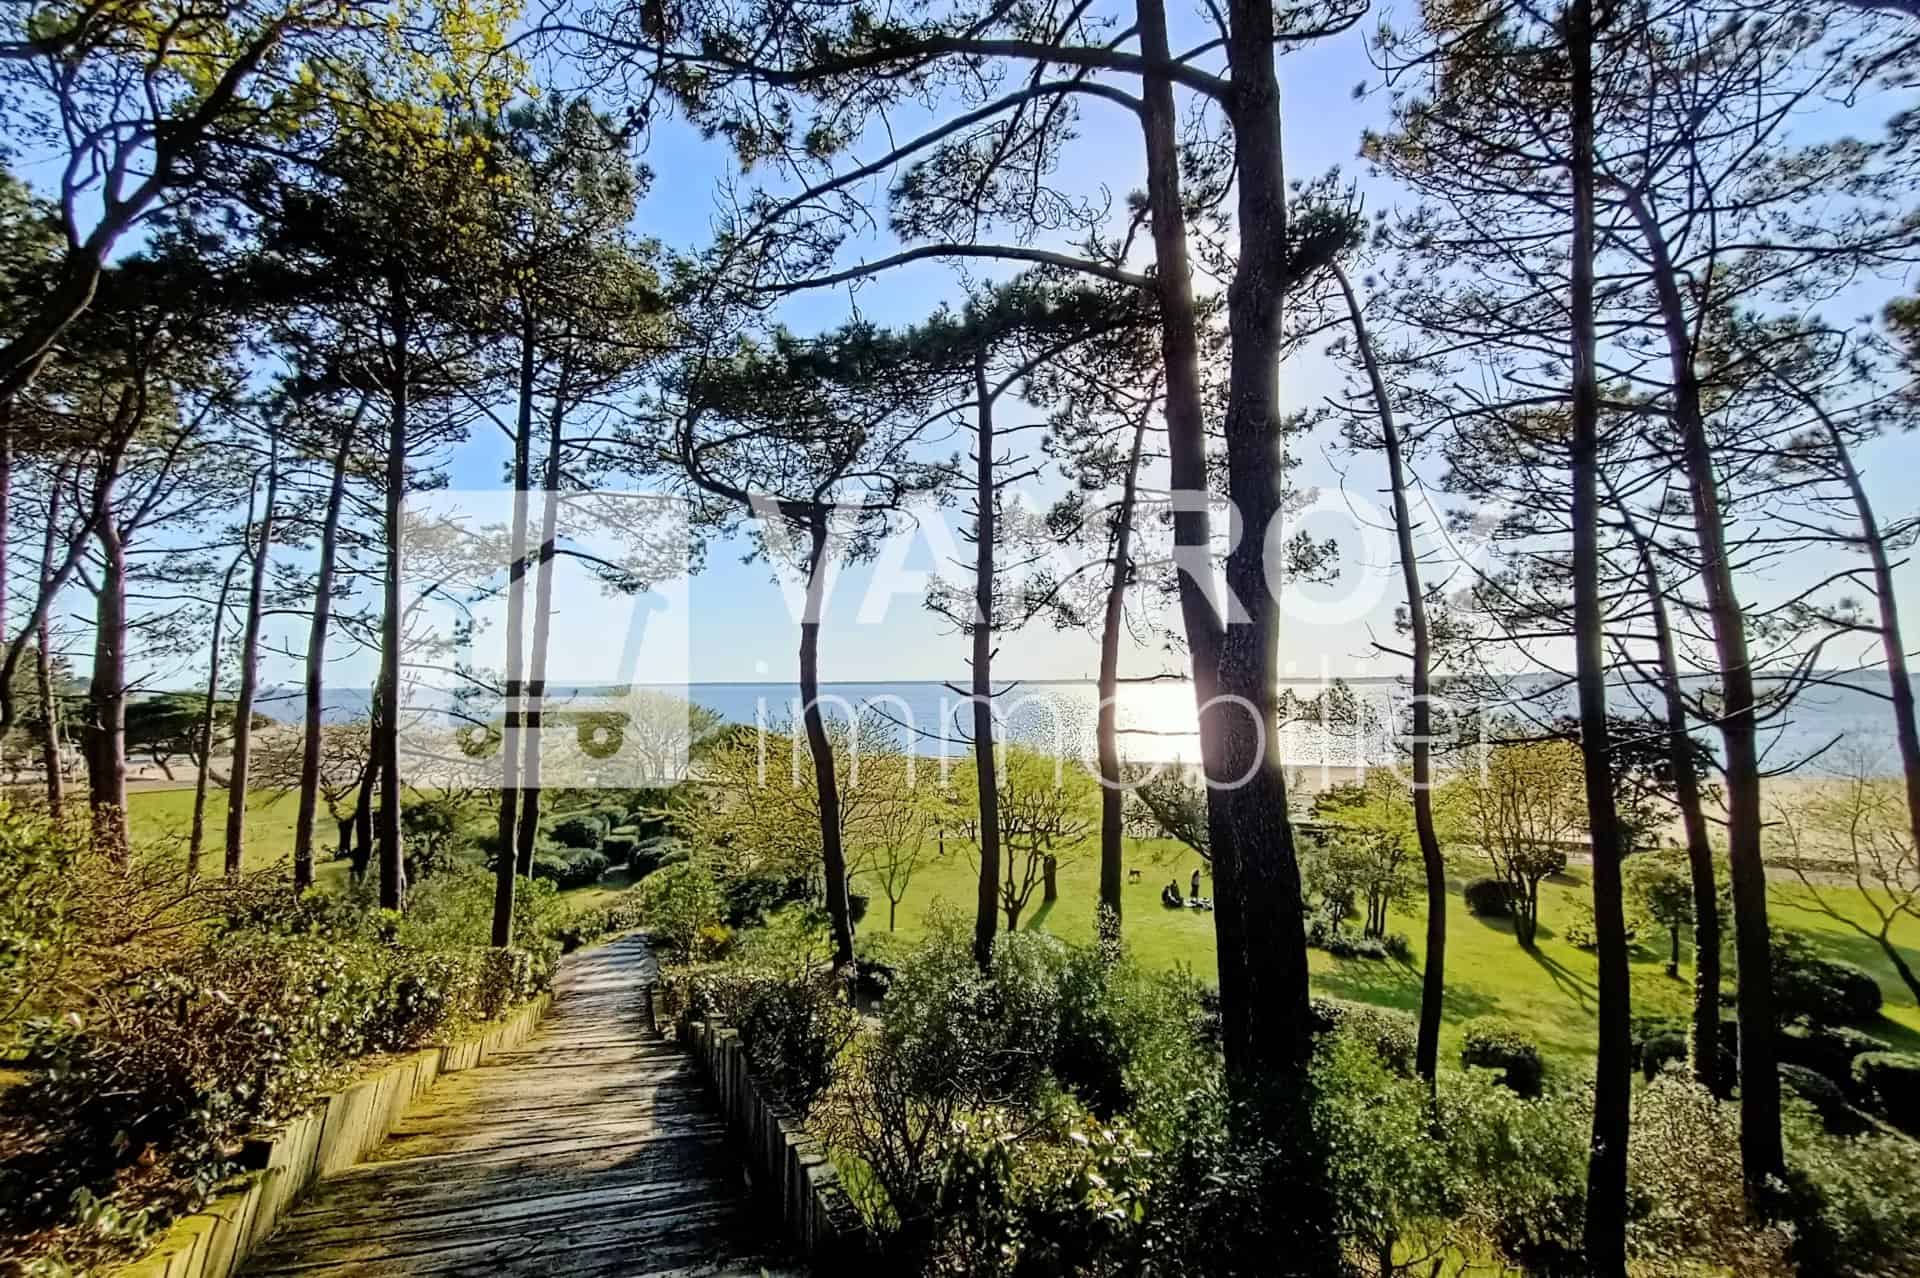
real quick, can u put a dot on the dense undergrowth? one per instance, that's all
(1066, 1113)
(150, 1022)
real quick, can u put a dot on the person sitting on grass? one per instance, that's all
(1170, 897)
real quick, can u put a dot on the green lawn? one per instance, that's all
(1550, 991)
(158, 817)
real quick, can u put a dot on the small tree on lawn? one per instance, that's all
(893, 829)
(1526, 801)
(1851, 844)
(1663, 890)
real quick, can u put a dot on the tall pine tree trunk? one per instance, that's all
(393, 866)
(1703, 1042)
(1112, 796)
(542, 617)
(506, 824)
(1762, 1151)
(1280, 1039)
(987, 781)
(312, 743)
(107, 757)
(1433, 989)
(43, 660)
(209, 719)
(1192, 534)
(1892, 647)
(236, 844)
(832, 854)
(1606, 1222)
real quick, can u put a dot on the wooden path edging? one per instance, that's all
(340, 1130)
(787, 1168)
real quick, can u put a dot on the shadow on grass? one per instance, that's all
(1577, 988)
(1037, 921)
(1497, 923)
(1393, 984)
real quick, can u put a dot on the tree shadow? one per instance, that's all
(1581, 990)
(1389, 983)
(1037, 921)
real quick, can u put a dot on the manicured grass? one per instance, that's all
(158, 818)
(1551, 991)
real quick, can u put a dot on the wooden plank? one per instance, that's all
(591, 1148)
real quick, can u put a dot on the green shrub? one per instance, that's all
(1392, 1036)
(622, 914)
(1890, 1083)
(567, 870)
(1854, 1201)
(619, 844)
(582, 830)
(1820, 989)
(1489, 898)
(680, 906)
(1826, 1098)
(1690, 1206)
(1492, 1044)
(954, 1031)
(1661, 1050)
(1826, 1049)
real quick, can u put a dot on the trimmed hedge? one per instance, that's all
(1837, 1114)
(619, 847)
(1890, 1082)
(569, 869)
(1489, 898)
(1807, 984)
(1826, 1049)
(1496, 1045)
(582, 830)
(1393, 1035)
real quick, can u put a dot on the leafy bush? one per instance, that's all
(680, 908)
(796, 1026)
(1890, 1082)
(622, 914)
(1492, 1044)
(619, 845)
(1341, 941)
(1855, 1201)
(857, 903)
(1661, 1050)
(1391, 1036)
(1070, 1198)
(1683, 1160)
(1826, 1098)
(981, 1037)
(567, 870)
(243, 1031)
(750, 898)
(1806, 984)
(1471, 1169)
(1489, 898)
(1826, 1049)
(582, 830)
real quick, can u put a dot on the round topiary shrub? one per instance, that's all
(1807, 984)
(1890, 1083)
(1489, 898)
(1661, 1050)
(1496, 1045)
(583, 830)
(619, 847)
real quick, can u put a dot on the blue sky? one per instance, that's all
(738, 622)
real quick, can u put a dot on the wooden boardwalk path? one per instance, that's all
(592, 1149)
